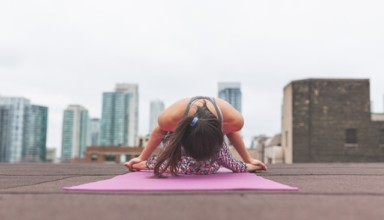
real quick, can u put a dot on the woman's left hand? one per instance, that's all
(260, 166)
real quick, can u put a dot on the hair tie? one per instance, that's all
(194, 121)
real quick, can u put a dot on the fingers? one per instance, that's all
(130, 165)
(263, 166)
(140, 166)
(260, 165)
(254, 168)
(137, 166)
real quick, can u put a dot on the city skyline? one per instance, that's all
(143, 133)
(67, 54)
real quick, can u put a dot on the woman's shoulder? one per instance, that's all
(170, 117)
(226, 108)
(233, 119)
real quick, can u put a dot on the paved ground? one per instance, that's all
(327, 191)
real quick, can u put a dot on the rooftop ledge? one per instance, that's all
(377, 116)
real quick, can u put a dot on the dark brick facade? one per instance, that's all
(331, 122)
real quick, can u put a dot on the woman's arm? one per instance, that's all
(154, 141)
(237, 141)
(233, 122)
(225, 159)
(168, 120)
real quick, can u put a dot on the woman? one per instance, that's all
(193, 131)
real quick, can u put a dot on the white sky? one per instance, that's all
(57, 53)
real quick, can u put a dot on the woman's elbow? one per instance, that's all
(239, 123)
(235, 125)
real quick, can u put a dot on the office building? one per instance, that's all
(330, 120)
(120, 116)
(75, 132)
(5, 134)
(23, 130)
(231, 92)
(156, 107)
(35, 133)
(95, 132)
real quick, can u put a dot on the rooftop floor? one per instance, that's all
(327, 191)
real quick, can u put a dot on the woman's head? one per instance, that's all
(203, 135)
(200, 135)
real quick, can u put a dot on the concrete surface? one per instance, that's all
(327, 191)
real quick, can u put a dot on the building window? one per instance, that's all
(109, 158)
(351, 137)
(94, 157)
(381, 138)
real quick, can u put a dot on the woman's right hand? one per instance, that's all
(130, 164)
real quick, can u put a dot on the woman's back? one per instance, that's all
(232, 119)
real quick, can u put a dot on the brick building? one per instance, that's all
(329, 120)
(102, 154)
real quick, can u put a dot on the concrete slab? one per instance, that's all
(46, 169)
(339, 184)
(189, 207)
(55, 186)
(327, 191)
(325, 169)
(10, 182)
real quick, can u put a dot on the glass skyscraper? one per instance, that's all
(231, 92)
(94, 130)
(23, 130)
(75, 132)
(156, 107)
(120, 115)
(35, 133)
(4, 133)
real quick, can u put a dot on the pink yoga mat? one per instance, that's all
(224, 180)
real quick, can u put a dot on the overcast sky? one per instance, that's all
(57, 53)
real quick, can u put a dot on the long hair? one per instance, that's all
(200, 135)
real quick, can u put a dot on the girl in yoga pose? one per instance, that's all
(192, 131)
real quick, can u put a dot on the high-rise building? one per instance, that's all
(4, 118)
(120, 116)
(156, 107)
(5, 133)
(95, 132)
(23, 130)
(75, 132)
(13, 113)
(35, 133)
(231, 92)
